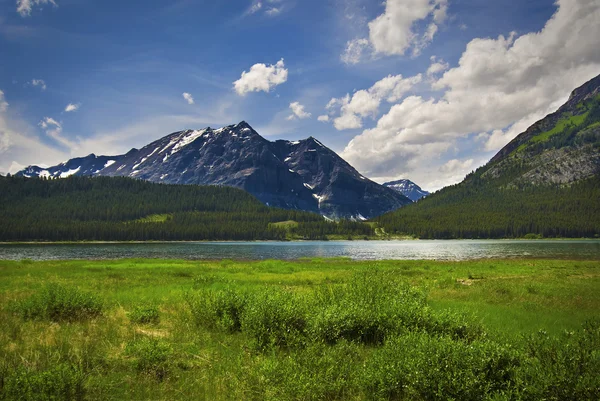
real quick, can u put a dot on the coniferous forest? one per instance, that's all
(124, 209)
(477, 209)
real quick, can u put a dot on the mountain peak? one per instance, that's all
(407, 188)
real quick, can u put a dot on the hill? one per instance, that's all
(124, 209)
(546, 182)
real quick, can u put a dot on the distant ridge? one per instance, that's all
(407, 188)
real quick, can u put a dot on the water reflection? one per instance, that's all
(359, 250)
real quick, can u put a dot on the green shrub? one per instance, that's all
(61, 382)
(213, 308)
(423, 367)
(145, 314)
(318, 372)
(566, 367)
(151, 356)
(56, 302)
(273, 317)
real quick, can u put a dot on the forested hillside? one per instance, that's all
(546, 182)
(124, 209)
(480, 210)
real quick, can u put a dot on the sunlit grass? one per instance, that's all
(305, 329)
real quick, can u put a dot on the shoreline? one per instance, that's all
(288, 241)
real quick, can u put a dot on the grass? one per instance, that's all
(307, 329)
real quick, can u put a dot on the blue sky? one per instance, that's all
(123, 67)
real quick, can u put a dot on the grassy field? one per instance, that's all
(330, 329)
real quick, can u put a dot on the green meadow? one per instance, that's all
(310, 329)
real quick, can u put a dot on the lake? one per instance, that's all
(358, 250)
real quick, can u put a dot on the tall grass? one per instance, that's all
(305, 330)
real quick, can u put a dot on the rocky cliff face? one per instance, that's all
(302, 175)
(562, 148)
(407, 188)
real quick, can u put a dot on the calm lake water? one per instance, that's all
(359, 250)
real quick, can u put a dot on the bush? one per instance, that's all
(152, 356)
(374, 306)
(423, 367)
(565, 367)
(145, 314)
(273, 317)
(213, 308)
(61, 382)
(56, 302)
(318, 372)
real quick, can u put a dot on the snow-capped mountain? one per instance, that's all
(302, 175)
(408, 189)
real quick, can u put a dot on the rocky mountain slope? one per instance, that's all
(407, 188)
(545, 182)
(302, 175)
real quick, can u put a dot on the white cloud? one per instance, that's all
(188, 97)
(72, 107)
(437, 66)
(365, 103)
(254, 8)
(38, 82)
(499, 83)
(54, 130)
(261, 77)
(323, 118)
(5, 141)
(298, 112)
(18, 148)
(24, 7)
(355, 51)
(395, 31)
(273, 11)
(3, 103)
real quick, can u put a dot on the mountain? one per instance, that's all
(545, 182)
(303, 175)
(407, 188)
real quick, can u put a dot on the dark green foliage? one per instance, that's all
(222, 308)
(117, 209)
(145, 314)
(317, 372)
(565, 367)
(151, 356)
(371, 308)
(476, 209)
(56, 302)
(275, 318)
(60, 382)
(417, 366)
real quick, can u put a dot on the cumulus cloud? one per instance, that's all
(500, 87)
(298, 112)
(72, 107)
(188, 97)
(38, 82)
(261, 77)
(365, 103)
(324, 118)
(3, 103)
(397, 30)
(24, 7)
